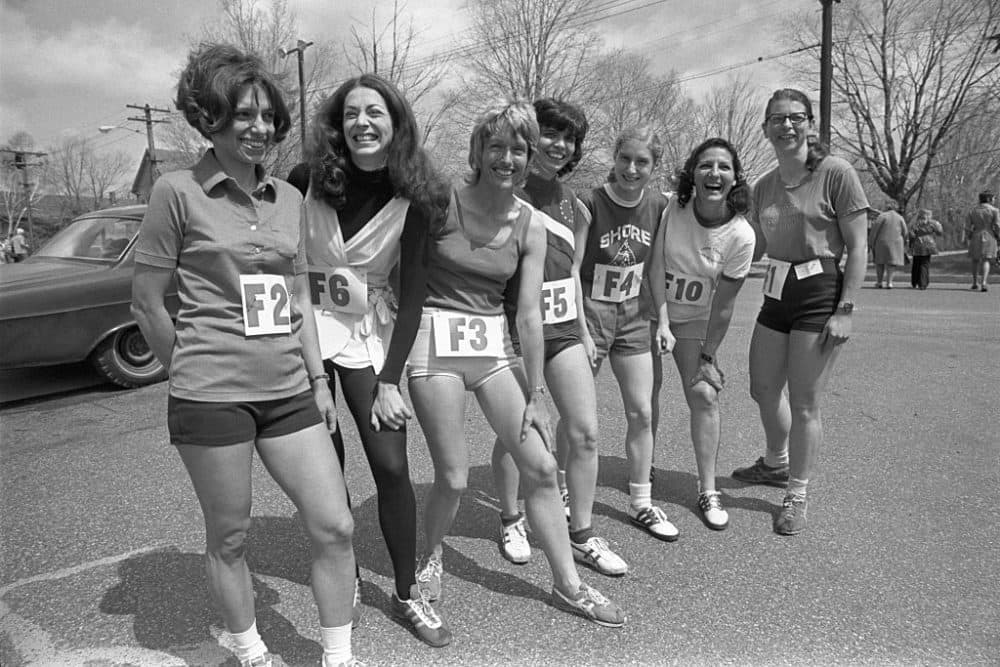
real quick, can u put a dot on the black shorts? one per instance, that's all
(805, 304)
(210, 424)
(557, 339)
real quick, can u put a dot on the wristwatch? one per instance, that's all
(845, 307)
(707, 358)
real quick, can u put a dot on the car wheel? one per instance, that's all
(124, 358)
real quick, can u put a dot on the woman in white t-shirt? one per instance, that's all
(700, 259)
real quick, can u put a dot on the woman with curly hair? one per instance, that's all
(244, 362)
(700, 258)
(372, 200)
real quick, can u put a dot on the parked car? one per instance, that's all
(70, 301)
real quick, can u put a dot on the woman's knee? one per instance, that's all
(582, 436)
(452, 482)
(762, 391)
(539, 471)
(703, 397)
(639, 416)
(335, 528)
(227, 542)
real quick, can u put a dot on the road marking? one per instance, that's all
(76, 569)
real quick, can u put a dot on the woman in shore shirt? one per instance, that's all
(372, 192)
(463, 345)
(621, 220)
(563, 127)
(810, 210)
(243, 353)
(700, 259)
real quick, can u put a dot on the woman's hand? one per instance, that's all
(388, 408)
(536, 415)
(665, 340)
(325, 403)
(589, 348)
(710, 373)
(837, 330)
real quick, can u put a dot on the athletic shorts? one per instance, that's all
(805, 304)
(211, 424)
(555, 342)
(622, 328)
(473, 371)
(693, 330)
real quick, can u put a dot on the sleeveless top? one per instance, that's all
(469, 275)
(621, 234)
(349, 339)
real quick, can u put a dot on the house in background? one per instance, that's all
(166, 161)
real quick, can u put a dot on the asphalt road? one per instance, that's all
(102, 535)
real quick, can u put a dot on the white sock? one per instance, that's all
(336, 644)
(796, 485)
(641, 495)
(779, 460)
(561, 480)
(248, 644)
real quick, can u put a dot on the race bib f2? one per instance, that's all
(616, 283)
(558, 301)
(267, 308)
(463, 335)
(341, 289)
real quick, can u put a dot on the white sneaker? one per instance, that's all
(654, 521)
(514, 542)
(596, 553)
(710, 504)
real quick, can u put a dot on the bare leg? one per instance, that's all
(768, 375)
(809, 365)
(635, 379)
(703, 402)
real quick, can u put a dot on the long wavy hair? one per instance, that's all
(410, 170)
(817, 149)
(738, 198)
(564, 117)
(211, 82)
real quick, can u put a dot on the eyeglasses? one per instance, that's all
(777, 119)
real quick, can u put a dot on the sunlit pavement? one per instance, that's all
(102, 535)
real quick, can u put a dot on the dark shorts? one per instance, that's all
(805, 304)
(557, 339)
(622, 328)
(210, 424)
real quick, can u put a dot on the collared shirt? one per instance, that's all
(202, 224)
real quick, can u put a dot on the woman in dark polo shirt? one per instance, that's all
(245, 367)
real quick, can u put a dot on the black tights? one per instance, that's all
(386, 452)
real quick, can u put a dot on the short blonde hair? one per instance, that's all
(514, 116)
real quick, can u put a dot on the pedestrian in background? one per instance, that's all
(18, 246)
(887, 240)
(982, 231)
(923, 247)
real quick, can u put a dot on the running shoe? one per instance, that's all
(710, 504)
(564, 493)
(353, 662)
(761, 473)
(590, 604)
(984, 289)
(654, 521)
(422, 618)
(429, 570)
(596, 553)
(262, 660)
(514, 542)
(356, 613)
(791, 519)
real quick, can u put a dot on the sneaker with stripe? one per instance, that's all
(596, 553)
(422, 618)
(654, 521)
(429, 571)
(590, 604)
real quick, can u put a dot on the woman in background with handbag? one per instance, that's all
(922, 247)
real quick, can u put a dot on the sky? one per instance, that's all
(68, 67)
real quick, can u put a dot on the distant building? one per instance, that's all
(166, 161)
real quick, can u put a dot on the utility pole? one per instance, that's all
(300, 51)
(149, 120)
(22, 164)
(826, 71)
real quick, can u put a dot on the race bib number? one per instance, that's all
(266, 305)
(691, 290)
(558, 301)
(813, 267)
(616, 283)
(461, 335)
(774, 278)
(342, 289)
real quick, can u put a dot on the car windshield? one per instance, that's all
(92, 239)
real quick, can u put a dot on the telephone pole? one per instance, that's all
(300, 50)
(148, 119)
(826, 71)
(21, 163)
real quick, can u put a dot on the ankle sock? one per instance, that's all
(640, 495)
(797, 486)
(336, 643)
(582, 535)
(248, 644)
(509, 520)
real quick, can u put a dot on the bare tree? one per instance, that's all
(70, 160)
(15, 197)
(733, 111)
(905, 71)
(104, 171)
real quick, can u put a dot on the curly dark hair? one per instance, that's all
(209, 87)
(564, 117)
(738, 198)
(411, 172)
(817, 149)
